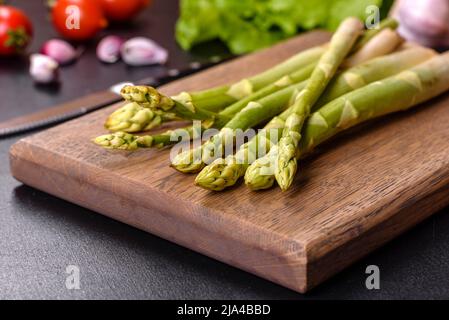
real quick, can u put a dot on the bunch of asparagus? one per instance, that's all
(359, 75)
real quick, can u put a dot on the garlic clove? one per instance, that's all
(43, 69)
(142, 51)
(60, 50)
(108, 49)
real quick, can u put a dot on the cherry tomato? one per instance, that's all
(16, 30)
(78, 19)
(122, 10)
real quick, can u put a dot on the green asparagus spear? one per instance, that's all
(398, 92)
(181, 105)
(373, 70)
(133, 118)
(368, 35)
(260, 174)
(125, 141)
(383, 43)
(341, 44)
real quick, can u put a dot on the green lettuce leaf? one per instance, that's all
(248, 25)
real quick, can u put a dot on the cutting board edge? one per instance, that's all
(433, 183)
(376, 236)
(290, 269)
(431, 196)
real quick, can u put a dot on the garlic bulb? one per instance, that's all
(43, 69)
(142, 51)
(424, 21)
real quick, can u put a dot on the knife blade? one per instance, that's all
(91, 102)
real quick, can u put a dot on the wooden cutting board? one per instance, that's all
(353, 195)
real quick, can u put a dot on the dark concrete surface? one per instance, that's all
(41, 235)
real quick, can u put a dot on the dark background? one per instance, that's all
(40, 235)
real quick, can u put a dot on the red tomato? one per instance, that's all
(122, 10)
(78, 19)
(16, 30)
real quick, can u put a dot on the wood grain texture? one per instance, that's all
(352, 195)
